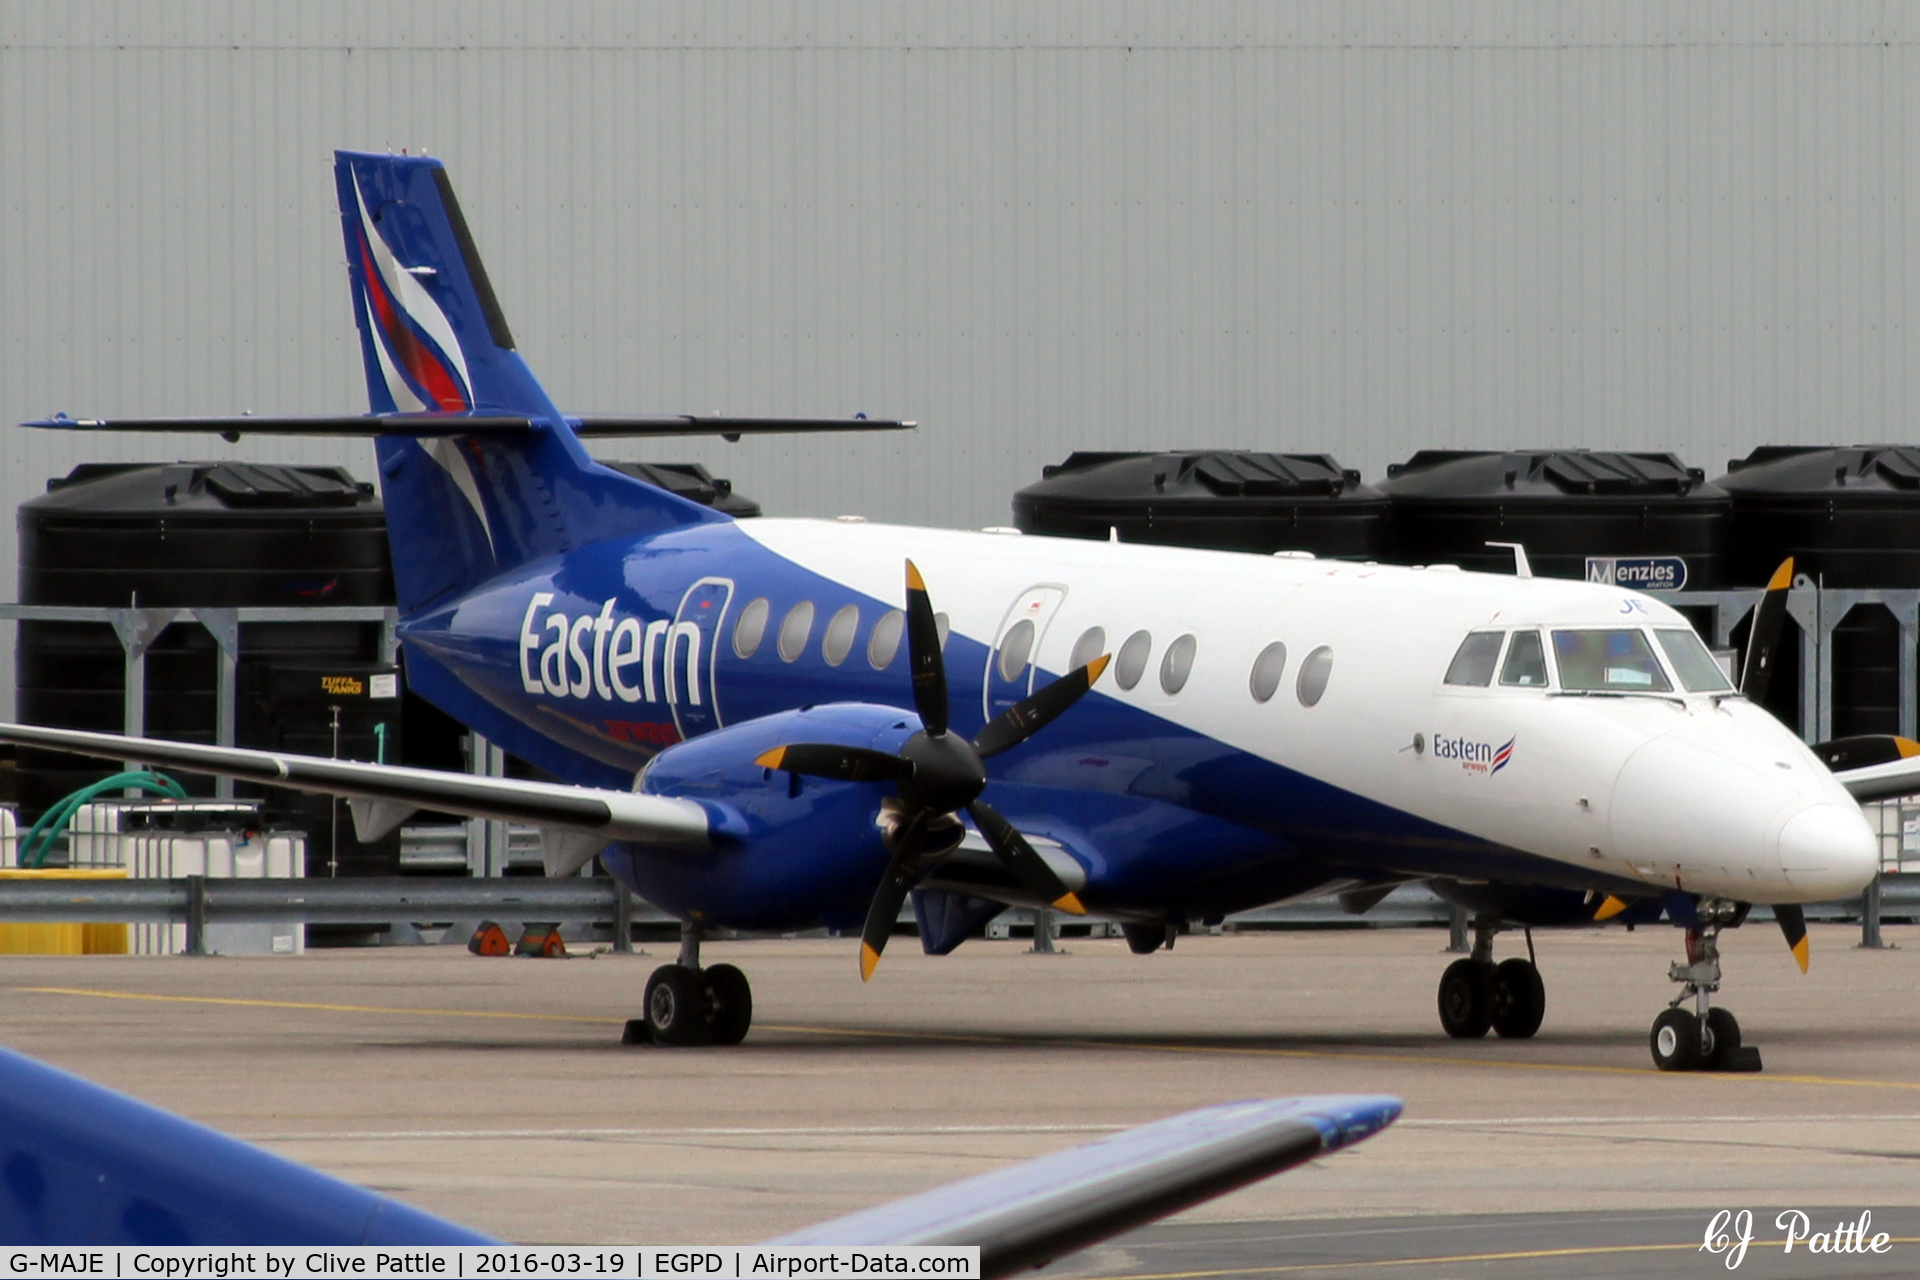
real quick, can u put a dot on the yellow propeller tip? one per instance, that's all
(1782, 577)
(869, 961)
(1098, 667)
(1801, 954)
(1907, 747)
(1070, 904)
(1610, 908)
(771, 759)
(914, 581)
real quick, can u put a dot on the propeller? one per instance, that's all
(939, 773)
(1763, 637)
(1793, 923)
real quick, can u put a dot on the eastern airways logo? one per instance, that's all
(1474, 756)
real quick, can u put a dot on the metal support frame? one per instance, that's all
(138, 628)
(486, 839)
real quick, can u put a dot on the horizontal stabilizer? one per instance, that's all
(1026, 1215)
(606, 814)
(426, 425)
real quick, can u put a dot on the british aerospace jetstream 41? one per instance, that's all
(779, 724)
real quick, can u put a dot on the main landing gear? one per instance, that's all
(1477, 995)
(685, 1004)
(1703, 1038)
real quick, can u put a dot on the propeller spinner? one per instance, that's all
(939, 773)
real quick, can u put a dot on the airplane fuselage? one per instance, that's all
(1205, 772)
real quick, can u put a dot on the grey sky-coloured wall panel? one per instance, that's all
(1357, 227)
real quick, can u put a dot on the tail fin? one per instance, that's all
(462, 509)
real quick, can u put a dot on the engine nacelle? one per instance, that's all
(792, 850)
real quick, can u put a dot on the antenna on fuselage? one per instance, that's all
(1521, 569)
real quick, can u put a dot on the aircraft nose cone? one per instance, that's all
(1829, 851)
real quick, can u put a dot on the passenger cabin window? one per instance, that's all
(1015, 647)
(1618, 661)
(1267, 670)
(1132, 662)
(838, 642)
(794, 630)
(751, 629)
(1091, 644)
(1178, 664)
(1315, 670)
(885, 640)
(1693, 662)
(1526, 661)
(1474, 660)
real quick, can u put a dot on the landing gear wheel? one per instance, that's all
(676, 1006)
(1723, 1040)
(1675, 1041)
(1519, 999)
(1466, 999)
(729, 1004)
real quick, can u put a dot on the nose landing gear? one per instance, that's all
(687, 1005)
(1476, 995)
(1703, 1038)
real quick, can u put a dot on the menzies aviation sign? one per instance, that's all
(1639, 573)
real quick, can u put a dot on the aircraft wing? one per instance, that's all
(89, 1166)
(1029, 1214)
(580, 820)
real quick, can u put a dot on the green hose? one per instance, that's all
(56, 818)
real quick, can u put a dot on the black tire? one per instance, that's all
(729, 1004)
(1144, 939)
(1675, 1041)
(1466, 999)
(1519, 999)
(1723, 1039)
(676, 1006)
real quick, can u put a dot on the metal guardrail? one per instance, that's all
(198, 901)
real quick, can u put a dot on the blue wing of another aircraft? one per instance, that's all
(1027, 1215)
(82, 1164)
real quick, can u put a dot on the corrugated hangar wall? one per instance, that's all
(1362, 227)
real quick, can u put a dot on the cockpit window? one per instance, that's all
(1526, 661)
(1474, 661)
(1608, 662)
(1693, 662)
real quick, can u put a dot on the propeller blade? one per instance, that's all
(902, 870)
(1763, 637)
(923, 656)
(1033, 713)
(1865, 751)
(843, 764)
(1793, 923)
(1610, 908)
(1019, 857)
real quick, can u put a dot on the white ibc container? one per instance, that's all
(226, 847)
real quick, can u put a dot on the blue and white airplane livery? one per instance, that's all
(778, 724)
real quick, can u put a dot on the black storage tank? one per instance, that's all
(692, 481)
(1850, 518)
(1228, 500)
(1644, 520)
(186, 534)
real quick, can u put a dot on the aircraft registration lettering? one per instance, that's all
(558, 659)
